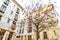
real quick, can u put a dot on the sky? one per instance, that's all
(57, 8)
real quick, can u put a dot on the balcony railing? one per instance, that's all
(13, 27)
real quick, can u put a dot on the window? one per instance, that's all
(54, 32)
(29, 29)
(2, 8)
(17, 11)
(6, 2)
(11, 12)
(14, 22)
(0, 17)
(29, 37)
(16, 17)
(20, 31)
(13, 27)
(8, 20)
(45, 35)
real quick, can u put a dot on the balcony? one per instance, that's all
(1, 11)
(13, 27)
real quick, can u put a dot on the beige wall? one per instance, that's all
(50, 33)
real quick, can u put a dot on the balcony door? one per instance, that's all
(29, 37)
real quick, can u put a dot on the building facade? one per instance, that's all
(16, 24)
(48, 25)
(9, 14)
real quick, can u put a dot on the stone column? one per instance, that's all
(13, 37)
(23, 37)
(35, 35)
(26, 37)
(6, 35)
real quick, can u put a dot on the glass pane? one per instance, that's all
(3, 8)
(16, 16)
(45, 35)
(6, 1)
(11, 12)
